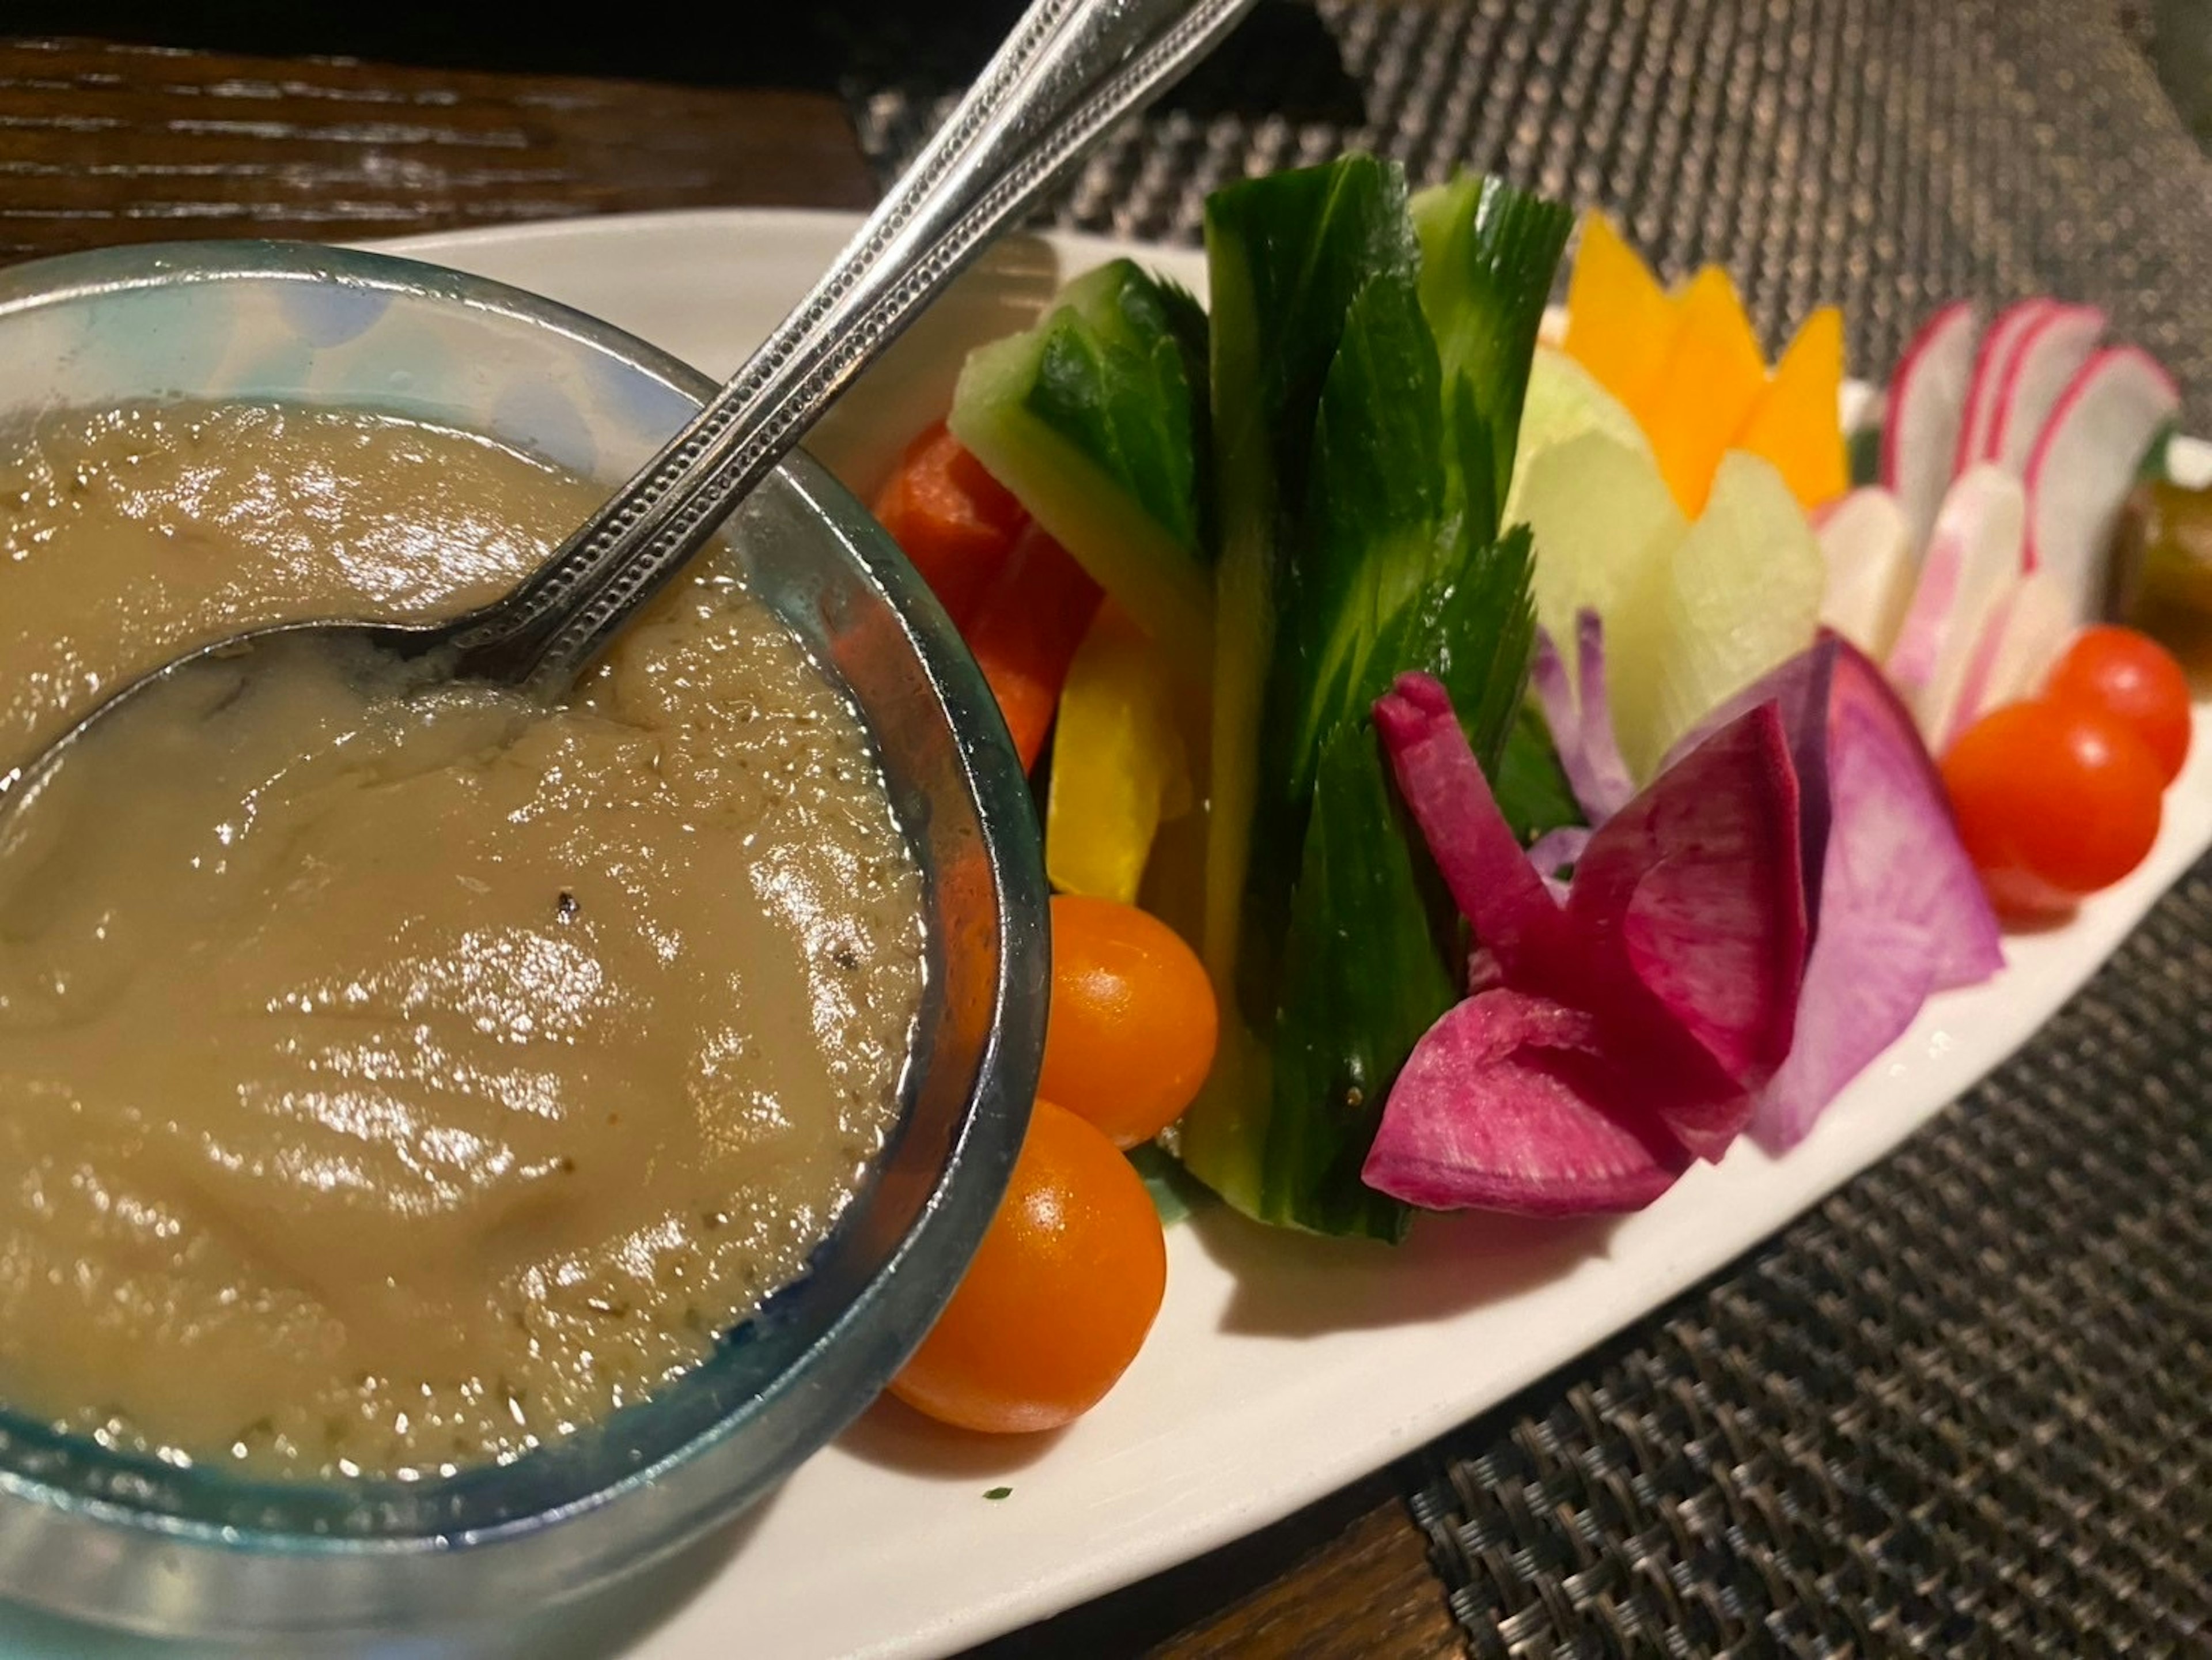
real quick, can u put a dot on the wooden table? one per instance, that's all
(103, 143)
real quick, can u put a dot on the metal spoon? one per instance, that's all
(1069, 70)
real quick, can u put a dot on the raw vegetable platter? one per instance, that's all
(1281, 1364)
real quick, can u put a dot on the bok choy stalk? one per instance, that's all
(1367, 379)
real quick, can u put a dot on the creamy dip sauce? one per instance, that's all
(391, 1084)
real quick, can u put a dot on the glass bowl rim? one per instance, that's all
(966, 1187)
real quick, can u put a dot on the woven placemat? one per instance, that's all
(1966, 1406)
(1885, 154)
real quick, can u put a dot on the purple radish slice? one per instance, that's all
(2028, 628)
(1685, 930)
(1903, 912)
(2084, 465)
(1972, 558)
(1870, 555)
(2050, 354)
(1511, 1102)
(1936, 884)
(1516, 921)
(1927, 404)
(1556, 849)
(1612, 787)
(1689, 906)
(1579, 712)
(1992, 367)
(1867, 977)
(1801, 691)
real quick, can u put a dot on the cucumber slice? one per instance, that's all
(1095, 419)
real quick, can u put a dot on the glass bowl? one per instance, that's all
(132, 1541)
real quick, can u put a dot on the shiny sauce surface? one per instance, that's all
(393, 1081)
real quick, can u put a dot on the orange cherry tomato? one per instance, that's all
(2131, 675)
(1133, 1023)
(2055, 799)
(1059, 1299)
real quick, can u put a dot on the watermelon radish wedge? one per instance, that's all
(2049, 354)
(1992, 365)
(2084, 463)
(1927, 405)
(1511, 1102)
(1973, 558)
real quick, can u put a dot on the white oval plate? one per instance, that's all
(1282, 1368)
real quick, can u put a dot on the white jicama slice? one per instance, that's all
(1601, 514)
(2050, 354)
(2028, 627)
(1565, 401)
(2084, 465)
(1868, 557)
(1992, 365)
(1973, 558)
(1927, 404)
(1737, 595)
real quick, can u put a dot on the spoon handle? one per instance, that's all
(1070, 70)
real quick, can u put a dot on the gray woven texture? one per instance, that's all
(1886, 155)
(1965, 1408)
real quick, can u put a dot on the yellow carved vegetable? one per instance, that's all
(1119, 765)
(1713, 380)
(1621, 324)
(1797, 423)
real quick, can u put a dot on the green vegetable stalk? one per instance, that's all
(1096, 420)
(1369, 359)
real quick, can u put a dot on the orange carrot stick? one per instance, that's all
(1025, 632)
(951, 518)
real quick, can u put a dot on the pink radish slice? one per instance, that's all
(1481, 861)
(1689, 908)
(1926, 402)
(1870, 568)
(2050, 354)
(2084, 465)
(2028, 627)
(1972, 558)
(1993, 366)
(1511, 1102)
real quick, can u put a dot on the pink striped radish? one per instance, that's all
(1985, 396)
(1972, 557)
(1926, 402)
(2049, 356)
(1870, 568)
(2029, 629)
(2085, 463)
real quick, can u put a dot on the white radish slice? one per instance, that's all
(1985, 396)
(2028, 627)
(1926, 402)
(1871, 569)
(1972, 558)
(2084, 465)
(2050, 354)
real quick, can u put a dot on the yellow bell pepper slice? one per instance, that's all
(1621, 324)
(1714, 377)
(1797, 423)
(1119, 765)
